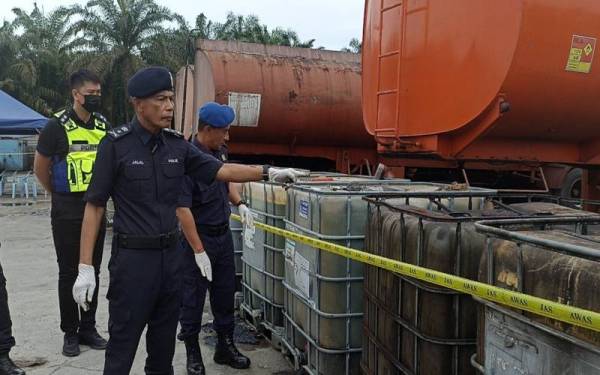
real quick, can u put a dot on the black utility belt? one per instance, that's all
(159, 242)
(212, 230)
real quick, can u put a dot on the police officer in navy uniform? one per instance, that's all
(204, 214)
(66, 152)
(141, 165)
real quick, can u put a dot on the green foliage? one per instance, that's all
(355, 46)
(249, 29)
(108, 36)
(113, 38)
(34, 66)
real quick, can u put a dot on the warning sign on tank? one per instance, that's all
(582, 54)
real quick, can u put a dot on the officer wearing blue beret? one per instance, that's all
(141, 165)
(204, 215)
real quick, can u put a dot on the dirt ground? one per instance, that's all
(29, 261)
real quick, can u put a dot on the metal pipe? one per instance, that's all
(491, 227)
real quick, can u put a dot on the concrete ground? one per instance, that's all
(29, 261)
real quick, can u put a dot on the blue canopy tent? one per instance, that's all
(18, 119)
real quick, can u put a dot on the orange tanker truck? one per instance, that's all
(503, 94)
(470, 85)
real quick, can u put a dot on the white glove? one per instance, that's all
(83, 289)
(285, 175)
(246, 215)
(203, 263)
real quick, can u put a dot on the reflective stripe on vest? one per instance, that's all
(83, 144)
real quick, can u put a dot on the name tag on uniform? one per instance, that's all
(137, 162)
(173, 161)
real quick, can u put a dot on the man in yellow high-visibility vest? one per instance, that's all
(63, 164)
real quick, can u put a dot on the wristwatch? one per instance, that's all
(241, 202)
(265, 172)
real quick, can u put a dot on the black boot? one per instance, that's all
(227, 354)
(8, 367)
(194, 363)
(71, 345)
(92, 339)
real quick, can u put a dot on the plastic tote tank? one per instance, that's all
(236, 232)
(324, 292)
(416, 327)
(555, 259)
(263, 252)
(263, 257)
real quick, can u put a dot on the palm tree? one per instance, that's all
(109, 36)
(355, 46)
(36, 75)
(8, 52)
(249, 29)
(289, 38)
(172, 48)
(205, 28)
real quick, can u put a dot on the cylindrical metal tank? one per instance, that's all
(283, 95)
(415, 327)
(560, 262)
(471, 79)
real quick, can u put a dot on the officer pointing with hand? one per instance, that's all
(204, 215)
(142, 165)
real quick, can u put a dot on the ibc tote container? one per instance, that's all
(323, 304)
(263, 252)
(416, 327)
(557, 259)
(236, 232)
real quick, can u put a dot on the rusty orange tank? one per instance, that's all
(513, 80)
(293, 102)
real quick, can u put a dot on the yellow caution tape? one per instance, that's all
(536, 305)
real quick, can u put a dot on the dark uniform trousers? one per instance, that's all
(144, 289)
(67, 234)
(7, 341)
(222, 288)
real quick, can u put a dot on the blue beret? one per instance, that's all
(148, 81)
(216, 115)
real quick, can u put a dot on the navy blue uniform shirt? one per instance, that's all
(143, 173)
(209, 203)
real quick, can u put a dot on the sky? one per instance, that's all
(331, 22)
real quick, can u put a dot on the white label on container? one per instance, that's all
(290, 247)
(304, 209)
(301, 274)
(246, 107)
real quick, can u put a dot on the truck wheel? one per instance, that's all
(571, 187)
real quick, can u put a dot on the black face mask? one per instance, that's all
(92, 103)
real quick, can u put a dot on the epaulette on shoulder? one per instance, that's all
(119, 132)
(63, 117)
(174, 133)
(101, 117)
